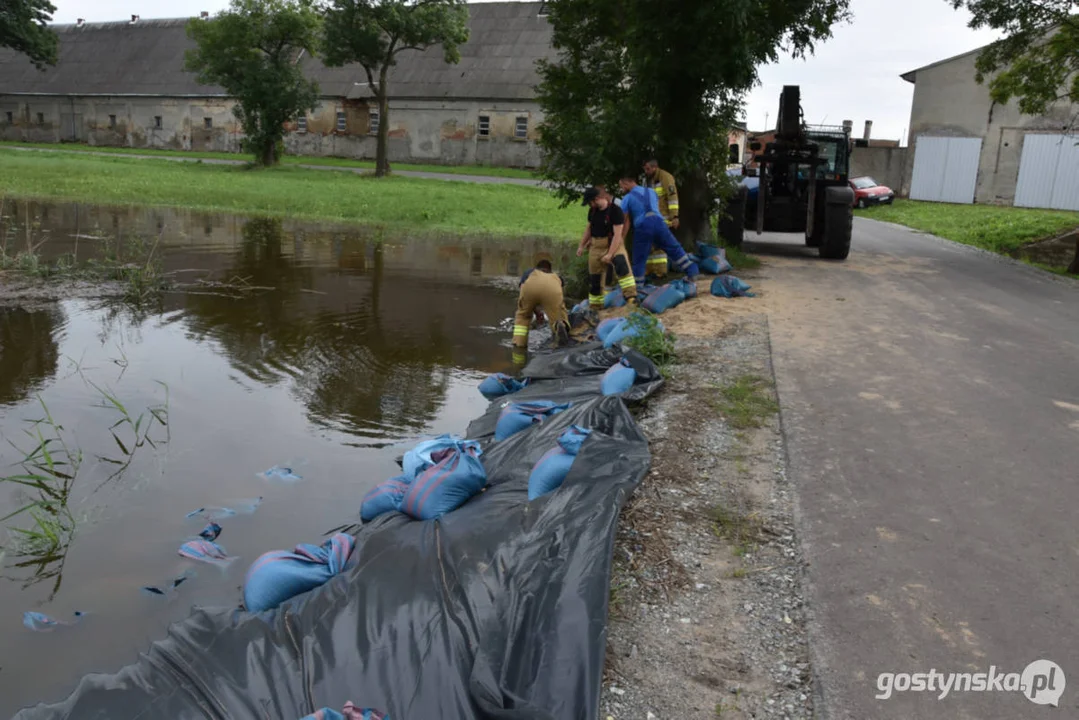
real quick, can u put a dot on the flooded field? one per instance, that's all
(327, 351)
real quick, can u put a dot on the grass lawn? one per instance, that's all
(409, 204)
(287, 160)
(999, 229)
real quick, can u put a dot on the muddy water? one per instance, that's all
(322, 349)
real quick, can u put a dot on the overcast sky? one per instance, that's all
(854, 76)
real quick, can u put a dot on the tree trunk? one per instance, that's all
(1074, 267)
(382, 162)
(695, 214)
(269, 153)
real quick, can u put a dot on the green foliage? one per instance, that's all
(1038, 59)
(638, 78)
(24, 28)
(739, 258)
(373, 32)
(651, 340)
(747, 402)
(576, 277)
(409, 206)
(253, 51)
(990, 227)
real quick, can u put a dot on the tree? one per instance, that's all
(1037, 61)
(638, 78)
(253, 51)
(24, 28)
(373, 32)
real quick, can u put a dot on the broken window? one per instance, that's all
(301, 123)
(372, 122)
(157, 121)
(208, 123)
(342, 121)
(484, 128)
(112, 121)
(521, 128)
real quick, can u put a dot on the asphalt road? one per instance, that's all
(930, 400)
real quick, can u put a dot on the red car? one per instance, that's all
(867, 192)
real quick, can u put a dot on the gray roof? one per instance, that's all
(146, 58)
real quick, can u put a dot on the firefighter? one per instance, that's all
(641, 205)
(662, 182)
(604, 236)
(541, 293)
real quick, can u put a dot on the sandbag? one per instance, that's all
(516, 417)
(350, 712)
(499, 384)
(605, 327)
(664, 299)
(614, 299)
(431, 452)
(687, 287)
(705, 250)
(279, 575)
(446, 486)
(714, 265)
(618, 378)
(550, 471)
(383, 498)
(729, 286)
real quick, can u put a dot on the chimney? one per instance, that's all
(204, 15)
(134, 19)
(868, 130)
(848, 125)
(79, 22)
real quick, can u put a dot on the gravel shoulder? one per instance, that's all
(707, 617)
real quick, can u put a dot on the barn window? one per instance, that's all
(157, 121)
(372, 122)
(485, 126)
(208, 123)
(10, 118)
(301, 123)
(112, 121)
(342, 121)
(41, 118)
(520, 130)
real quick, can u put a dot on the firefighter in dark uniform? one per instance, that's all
(541, 293)
(604, 237)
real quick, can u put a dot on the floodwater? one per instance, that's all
(327, 350)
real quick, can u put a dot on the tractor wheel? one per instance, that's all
(838, 224)
(732, 223)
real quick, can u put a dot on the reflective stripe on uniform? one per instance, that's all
(683, 262)
(660, 190)
(673, 206)
(627, 282)
(520, 330)
(596, 300)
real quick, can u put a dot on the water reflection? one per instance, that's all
(28, 350)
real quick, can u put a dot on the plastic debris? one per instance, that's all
(281, 473)
(279, 575)
(237, 507)
(205, 551)
(350, 712)
(169, 587)
(40, 622)
(210, 532)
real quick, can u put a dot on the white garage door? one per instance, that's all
(1049, 172)
(945, 169)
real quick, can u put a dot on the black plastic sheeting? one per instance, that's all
(496, 610)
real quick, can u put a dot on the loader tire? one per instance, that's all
(838, 225)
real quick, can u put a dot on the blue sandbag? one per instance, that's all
(205, 551)
(614, 299)
(516, 417)
(350, 712)
(279, 575)
(714, 265)
(618, 378)
(705, 250)
(687, 287)
(432, 452)
(446, 486)
(664, 299)
(605, 327)
(383, 498)
(499, 384)
(551, 470)
(581, 307)
(626, 331)
(729, 286)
